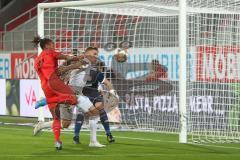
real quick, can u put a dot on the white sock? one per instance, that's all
(93, 130)
(46, 125)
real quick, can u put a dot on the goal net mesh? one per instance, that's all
(148, 82)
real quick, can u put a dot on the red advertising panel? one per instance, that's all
(218, 63)
(22, 65)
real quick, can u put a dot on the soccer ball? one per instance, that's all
(121, 55)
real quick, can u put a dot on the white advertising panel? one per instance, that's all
(29, 91)
(2, 97)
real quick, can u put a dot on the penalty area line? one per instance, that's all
(131, 138)
(141, 139)
(162, 141)
(156, 140)
(86, 155)
(111, 155)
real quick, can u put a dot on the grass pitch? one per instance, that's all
(17, 142)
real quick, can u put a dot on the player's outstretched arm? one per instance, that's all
(69, 57)
(63, 69)
(108, 84)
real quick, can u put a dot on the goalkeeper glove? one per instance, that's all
(112, 91)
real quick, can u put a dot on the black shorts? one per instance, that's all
(93, 95)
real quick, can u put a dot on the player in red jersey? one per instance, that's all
(158, 72)
(55, 90)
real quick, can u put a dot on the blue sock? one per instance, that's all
(41, 103)
(104, 121)
(78, 124)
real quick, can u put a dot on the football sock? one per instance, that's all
(104, 121)
(78, 124)
(56, 127)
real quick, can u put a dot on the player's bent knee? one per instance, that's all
(93, 111)
(99, 106)
(71, 99)
(84, 104)
(66, 123)
(75, 100)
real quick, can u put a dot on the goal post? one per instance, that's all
(90, 3)
(40, 31)
(182, 68)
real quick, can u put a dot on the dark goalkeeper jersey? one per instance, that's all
(94, 78)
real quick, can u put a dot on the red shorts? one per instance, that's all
(56, 92)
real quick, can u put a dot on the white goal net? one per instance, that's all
(148, 82)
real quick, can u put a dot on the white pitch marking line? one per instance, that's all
(142, 139)
(111, 155)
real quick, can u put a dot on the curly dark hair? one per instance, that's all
(41, 41)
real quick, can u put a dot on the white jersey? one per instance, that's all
(77, 81)
(78, 78)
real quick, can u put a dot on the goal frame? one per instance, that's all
(182, 50)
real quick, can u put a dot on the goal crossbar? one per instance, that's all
(82, 3)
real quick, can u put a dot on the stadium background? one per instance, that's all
(18, 25)
(18, 79)
(19, 87)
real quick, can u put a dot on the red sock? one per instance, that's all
(56, 127)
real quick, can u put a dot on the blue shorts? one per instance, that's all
(93, 95)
